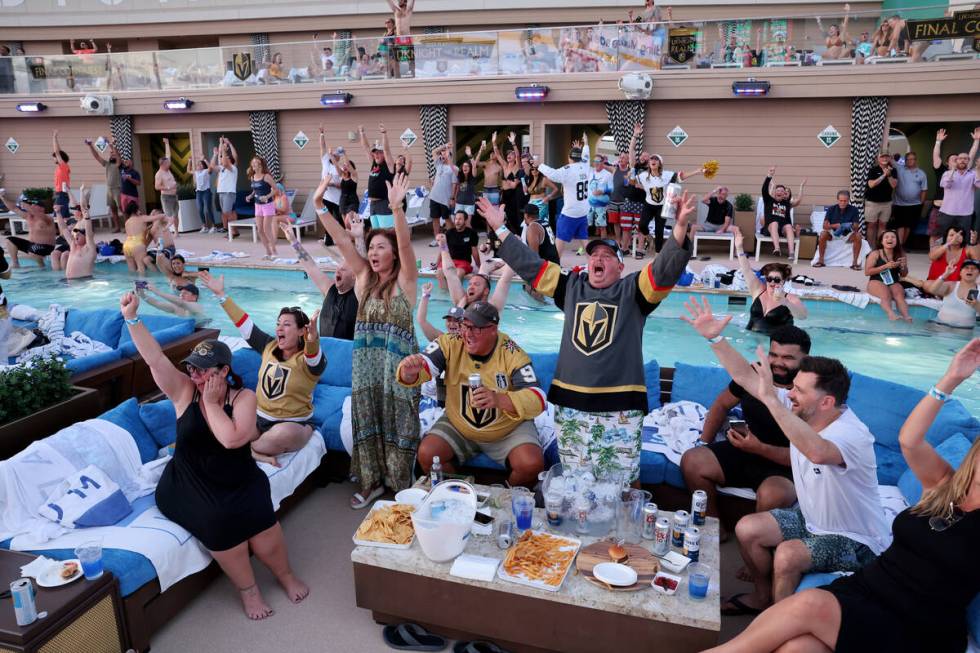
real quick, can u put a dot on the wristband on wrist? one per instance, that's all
(501, 230)
(443, 248)
(426, 295)
(222, 299)
(718, 338)
(935, 393)
(133, 321)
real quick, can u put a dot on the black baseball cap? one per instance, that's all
(191, 288)
(532, 209)
(971, 261)
(482, 314)
(208, 354)
(455, 313)
(608, 242)
(575, 154)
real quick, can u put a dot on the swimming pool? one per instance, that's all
(914, 354)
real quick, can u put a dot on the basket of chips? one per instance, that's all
(443, 520)
(388, 525)
(710, 168)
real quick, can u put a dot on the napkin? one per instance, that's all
(37, 567)
(475, 567)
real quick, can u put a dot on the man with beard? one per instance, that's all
(838, 524)
(113, 180)
(756, 453)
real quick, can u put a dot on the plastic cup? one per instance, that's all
(698, 577)
(90, 555)
(523, 507)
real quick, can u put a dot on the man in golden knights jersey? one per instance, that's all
(496, 416)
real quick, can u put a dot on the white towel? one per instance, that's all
(24, 312)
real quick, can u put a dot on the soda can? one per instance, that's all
(650, 521)
(699, 507)
(25, 609)
(475, 381)
(692, 543)
(661, 540)
(681, 520)
(672, 193)
(552, 505)
(505, 534)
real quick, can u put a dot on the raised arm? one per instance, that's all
(499, 296)
(385, 145)
(341, 238)
(363, 139)
(234, 152)
(976, 144)
(172, 382)
(320, 279)
(453, 284)
(322, 140)
(799, 198)
(422, 314)
(95, 153)
(213, 163)
(57, 150)
(927, 465)
(166, 148)
(939, 287)
(937, 149)
(408, 275)
(256, 338)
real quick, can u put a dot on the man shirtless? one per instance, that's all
(40, 234)
(404, 48)
(163, 247)
(81, 242)
(491, 173)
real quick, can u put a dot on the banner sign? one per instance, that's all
(243, 65)
(959, 25)
(682, 44)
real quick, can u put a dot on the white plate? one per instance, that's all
(381, 503)
(413, 496)
(615, 574)
(572, 545)
(675, 562)
(676, 579)
(52, 577)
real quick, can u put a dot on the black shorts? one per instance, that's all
(26, 246)
(61, 245)
(263, 424)
(744, 469)
(782, 222)
(905, 217)
(439, 211)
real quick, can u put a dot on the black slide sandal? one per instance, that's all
(412, 637)
(478, 646)
(740, 607)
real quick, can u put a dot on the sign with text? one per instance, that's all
(408, 138)
(828, 136)
(12, 145)
(300, 140)
(677, 136)
(960, 25)
(682, 44)
(101, 144)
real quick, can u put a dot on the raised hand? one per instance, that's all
(312, 329)
(703, 320)
(397, 189)
(762, 367)
(214, 284)
(493, 138)
(494, 215)
(772, 171)
(427, 289)
(637, 130)
(381, 128)
(950, 270)
(686, 206)
(512, 137)
(941, 135)
(976, 134)
(739, 239)
(356, 225)
(129, 304)
(468, 151)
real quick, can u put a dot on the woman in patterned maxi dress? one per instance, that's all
(385, 414)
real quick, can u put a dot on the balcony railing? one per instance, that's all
(859, 38)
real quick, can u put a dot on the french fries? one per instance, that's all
(539, 556)
(391, 525)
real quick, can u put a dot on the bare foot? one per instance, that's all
(892, 317)
(295, 589)
(254, 605)
(263, 458)
(744, 574)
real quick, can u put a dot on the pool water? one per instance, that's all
(865, 340)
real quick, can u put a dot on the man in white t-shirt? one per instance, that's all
(443, 191)
(573, 221)
(328, 168)
(839, 524)
(227, 182)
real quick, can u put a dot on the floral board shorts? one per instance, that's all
(610, 441)
(827, 552)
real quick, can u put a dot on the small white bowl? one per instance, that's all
(614, 574)
(662, 590)
(413, 496)
(674, 562)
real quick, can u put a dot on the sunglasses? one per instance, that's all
(939, 524)
(774, 279)
(463, 326)
(194, 369)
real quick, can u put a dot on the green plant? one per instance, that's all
(186, 192)
(39, 195)
(743, 202)
(27, 389)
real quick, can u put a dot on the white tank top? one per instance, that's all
(955, 312)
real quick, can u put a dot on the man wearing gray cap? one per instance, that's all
(492, 397)
(599, 387)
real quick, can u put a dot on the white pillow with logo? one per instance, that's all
(85, 499)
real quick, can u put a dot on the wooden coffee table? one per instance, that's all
(84, 615)
(404, 585)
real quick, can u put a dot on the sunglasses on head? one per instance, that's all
(774, 279)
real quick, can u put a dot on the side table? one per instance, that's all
(85, 615)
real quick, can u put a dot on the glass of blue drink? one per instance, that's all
(698, 577)
(90, 555)
(522, 503)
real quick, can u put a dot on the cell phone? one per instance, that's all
(480, 518)
(738, 425)
(204, 269)
(140, 285)
(972, 294)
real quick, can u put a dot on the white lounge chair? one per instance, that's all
(766, 238)
(249, 223)
(98, 208)
(708, 235)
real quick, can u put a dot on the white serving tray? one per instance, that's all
(381, 503)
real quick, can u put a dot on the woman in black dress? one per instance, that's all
(914, 596)
(772, 307)
(212, 486)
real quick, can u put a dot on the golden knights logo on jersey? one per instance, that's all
(594, 326)
(478, 418)
(273, 380)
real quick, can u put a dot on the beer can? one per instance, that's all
(661, 541)
(672, 193)
(505, 534)
(650, 521)
(699, 507)
(25, 609)
(681, 520)
(475, 381)
(692, 543)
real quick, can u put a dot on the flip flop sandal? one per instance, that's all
(855, 267)
(740, 607)
(477, 646)
(820, 264)
(412, 637)
(359, 502)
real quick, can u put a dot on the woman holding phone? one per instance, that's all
(884, 268)
(960, 306)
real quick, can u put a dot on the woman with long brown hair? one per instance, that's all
(772, 307)
(385, 413)
(884, 268)
(265, 207)
(914, 596)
